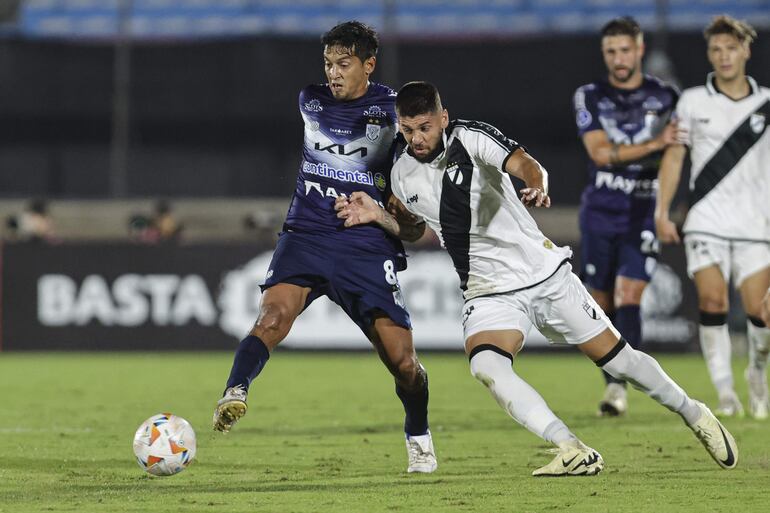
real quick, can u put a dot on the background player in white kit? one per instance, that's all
(455, 176)
(726, 234)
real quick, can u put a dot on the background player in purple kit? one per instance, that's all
(350, 134)
(623, 121)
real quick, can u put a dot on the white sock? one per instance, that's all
(516, 397)
(645, 374)
(759, 346)
(715, 344)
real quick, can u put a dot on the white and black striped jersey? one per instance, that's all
(468, 199)
(730, 153)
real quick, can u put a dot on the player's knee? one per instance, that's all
(487, 363)
(274, 320)
(712, 303)
(627, 296)
(408, 369)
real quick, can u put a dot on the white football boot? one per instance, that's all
(573, 458)
(230, 408)
(422, 456)
(715, 438)
(758, 396)
(614, 402)
(729, 406)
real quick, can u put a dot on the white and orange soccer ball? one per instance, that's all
(164, 444)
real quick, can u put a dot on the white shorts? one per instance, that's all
(560, 308)
(736, 259)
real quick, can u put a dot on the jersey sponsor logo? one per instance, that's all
(615, 182)
(375, 112)
(583, 118)
(314, 106)
(372, 132)
(342, 175)
(412, 200)
(757, 122)
(606, 104)
(379, 181)
(340, 131)
(652, 103)
(328, 192)
(339, 149)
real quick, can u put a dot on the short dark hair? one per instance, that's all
(359, 38)
(724, 24)
(622, 26)
(416, 98)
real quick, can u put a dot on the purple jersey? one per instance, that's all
(621, 198)
(349, 146)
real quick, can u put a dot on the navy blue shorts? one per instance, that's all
(604, 256)
(362, 283)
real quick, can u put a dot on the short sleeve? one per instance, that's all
(586, 111)
(683, 116)
(488, 143)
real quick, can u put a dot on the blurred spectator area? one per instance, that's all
(203, 219)
(207, 18)
(213, 219)
(212, 108)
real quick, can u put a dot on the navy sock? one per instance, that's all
(415, 406)
(607, 377)
(250, 357)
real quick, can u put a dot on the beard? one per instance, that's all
(627, 77)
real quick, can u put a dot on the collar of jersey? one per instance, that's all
(712, 88)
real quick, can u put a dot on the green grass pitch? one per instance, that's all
(324, 434)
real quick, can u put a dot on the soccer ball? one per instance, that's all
(164, 444)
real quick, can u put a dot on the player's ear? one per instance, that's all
(444, 118)
(369, 65)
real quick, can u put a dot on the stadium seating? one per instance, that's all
(232, 18)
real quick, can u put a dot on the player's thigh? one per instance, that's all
(709, 266)
(501, 320)
(598, 264)
(366, 286)
(564, 311)
(753, 289)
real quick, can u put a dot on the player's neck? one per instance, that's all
(361, 92)
(736, 88)
(635, 82)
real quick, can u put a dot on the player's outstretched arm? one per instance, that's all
(668, 180)
(521, 165)
(603, 152)
(360, 208)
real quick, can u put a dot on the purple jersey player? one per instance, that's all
(350, 136)
(625, 123)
